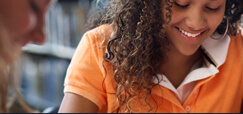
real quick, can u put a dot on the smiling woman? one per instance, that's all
(21, 21)
(192, 22)
(158, 56)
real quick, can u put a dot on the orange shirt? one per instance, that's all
(222, 92)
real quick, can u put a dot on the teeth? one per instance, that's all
(189, 34)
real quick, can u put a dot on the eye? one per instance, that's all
(34, 6)
(180, 6)
(213, 9)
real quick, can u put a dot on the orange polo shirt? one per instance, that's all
(221, 92)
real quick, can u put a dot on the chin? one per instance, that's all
(188, 52)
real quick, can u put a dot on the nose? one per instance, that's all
(38, 34)
(196, 20)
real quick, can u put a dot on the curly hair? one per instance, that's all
(233, 12)
(139, 45)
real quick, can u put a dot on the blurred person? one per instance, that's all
(21, 22)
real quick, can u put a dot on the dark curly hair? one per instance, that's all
(139, 45)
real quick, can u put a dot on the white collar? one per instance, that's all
(217, 49)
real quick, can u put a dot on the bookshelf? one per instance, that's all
(43, 67)
(64, 28)
(54, 50)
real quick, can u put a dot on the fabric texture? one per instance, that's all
(221, 92)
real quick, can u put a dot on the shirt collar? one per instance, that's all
(216, 50)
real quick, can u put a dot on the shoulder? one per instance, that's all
(100, 34)
(234, 61)
(237, 40)
(239, 35)
(91, 49)
(236, 47)
(95, 41)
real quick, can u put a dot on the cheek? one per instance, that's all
(22, 26)
(215, 20)
(214, 23)
(18, 19)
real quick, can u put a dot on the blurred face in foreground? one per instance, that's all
(21, 22)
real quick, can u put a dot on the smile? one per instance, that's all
(189, 34)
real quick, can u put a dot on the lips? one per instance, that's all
(188, 34)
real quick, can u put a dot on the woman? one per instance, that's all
(159, 56)
(21, 22)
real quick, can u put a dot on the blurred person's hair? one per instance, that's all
(9, 78)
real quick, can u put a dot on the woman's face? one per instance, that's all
(193, 21)
(21, 22)
(24, 20)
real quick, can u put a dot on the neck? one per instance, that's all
(177, 66)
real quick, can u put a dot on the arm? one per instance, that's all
(84, 89)
(73, 103)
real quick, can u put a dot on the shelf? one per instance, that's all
(51, 50)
